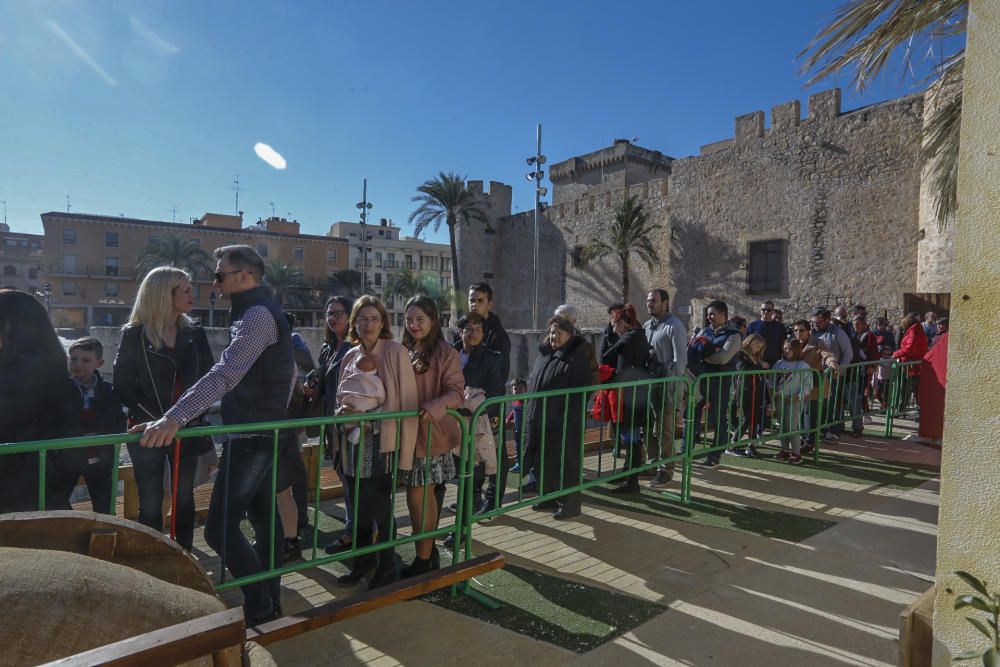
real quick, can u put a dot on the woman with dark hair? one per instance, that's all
(440, 387)
(367, 463)
(37, 398)
(913, 346)
(321, 388)
(628, 356)
(563, 363)
(162, 353)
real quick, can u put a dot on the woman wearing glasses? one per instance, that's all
(321, 388)
(162, 353)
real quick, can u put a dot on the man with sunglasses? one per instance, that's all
(254, 379)
(771, 330)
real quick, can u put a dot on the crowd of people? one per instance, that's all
(165, 378)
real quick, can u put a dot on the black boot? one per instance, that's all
(421, 565)
(388, 570)
(362, 566)
(569, 507)
(631, 485)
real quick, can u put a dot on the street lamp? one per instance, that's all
(536, 176)
(365, 206)
(211, 308)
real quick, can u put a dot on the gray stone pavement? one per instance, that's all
(733, 598)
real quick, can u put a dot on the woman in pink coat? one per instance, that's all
(440, 387)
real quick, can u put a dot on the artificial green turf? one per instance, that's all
(767, 523)
(565, 613)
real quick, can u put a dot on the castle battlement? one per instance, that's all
(609, 198)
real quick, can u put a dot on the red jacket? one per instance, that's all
(912, 347)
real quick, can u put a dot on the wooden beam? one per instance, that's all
(171, 645)
(102, 544)
(339, 610)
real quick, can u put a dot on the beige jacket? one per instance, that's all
(396, 373)
(440, 389)
(816, 354)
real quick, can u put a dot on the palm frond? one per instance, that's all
(863, 34)
(630, 233)
(173, 251)
(940, 150)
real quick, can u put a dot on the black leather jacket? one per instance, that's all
(145, 376)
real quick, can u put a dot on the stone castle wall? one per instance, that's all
(843, 191)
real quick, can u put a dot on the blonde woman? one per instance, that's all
(162, 353)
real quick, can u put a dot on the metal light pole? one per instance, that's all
(536, 177)
(365, 206)
(4, 202)
(47, 291)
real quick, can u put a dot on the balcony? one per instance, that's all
(357, 264)
(391, 264)
(91, 271)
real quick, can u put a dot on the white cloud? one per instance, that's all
(269, 155)
(80, 53)
(157, 43)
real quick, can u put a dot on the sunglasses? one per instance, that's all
(220, 276)
(767, 310)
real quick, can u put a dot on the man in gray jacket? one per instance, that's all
(839, 344)
(667, 339)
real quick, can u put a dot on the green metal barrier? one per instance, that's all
(902, 402)
(852, 396)
(722, 400)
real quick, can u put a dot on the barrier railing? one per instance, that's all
(903, 388)
(851, 394)
(762, 406)
(553, 434)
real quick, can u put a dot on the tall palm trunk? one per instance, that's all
(454, 268)
(625, 284)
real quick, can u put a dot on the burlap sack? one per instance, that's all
(55, 603)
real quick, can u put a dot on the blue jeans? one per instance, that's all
(243, 488)
(147, 466)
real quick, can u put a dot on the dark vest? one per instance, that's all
(262, 394)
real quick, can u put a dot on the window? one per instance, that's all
(262, 250)
(111, 266)
(408, 262)
(331, 255)
(111, 289)
(399, 319)
(69, 236)
(767, 267)
(446, 263)
(378, 280)
(111, 239)
(429, 263)
(69, 264)
(390, 260)
(69, 287)
(378, 259)
(9, 270)
(10, 243)
(298, 254)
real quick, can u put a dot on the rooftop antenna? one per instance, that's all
(236, 186)
(68, 207)
(173, 213)
(272, 208)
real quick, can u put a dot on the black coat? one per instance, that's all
(145, 376)
(609, 339)
(37, 401)
(484, 370)
(628, 357)
(568, 367)
(495, 338)
(108, 408)
(328, 375)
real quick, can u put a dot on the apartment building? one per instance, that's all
(91, 259)
(389, 254)
(22, 263)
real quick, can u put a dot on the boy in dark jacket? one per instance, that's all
(100, 413)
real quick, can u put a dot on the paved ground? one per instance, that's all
(732, 597)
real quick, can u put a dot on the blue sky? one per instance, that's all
(135, 107)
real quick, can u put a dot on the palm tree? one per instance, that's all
(447, 199)
(864, 35)
(173, 251)
(286, 281)
(349, 281)
(630, 233)
(408, 283)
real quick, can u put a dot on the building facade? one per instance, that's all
(91, 260)
(22, 262)
(388, 255)
(826, 209)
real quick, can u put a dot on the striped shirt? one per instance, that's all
(253, 334)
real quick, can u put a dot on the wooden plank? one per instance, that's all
(339, 610)
(102, 544)
(171, 645)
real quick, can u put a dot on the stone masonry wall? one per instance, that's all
(842, 190)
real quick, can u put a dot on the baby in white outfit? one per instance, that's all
(361, 390)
